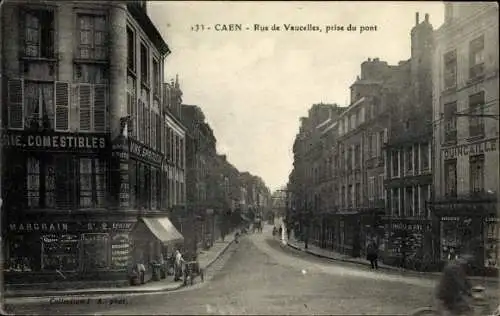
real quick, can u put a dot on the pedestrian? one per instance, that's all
(142, 271)
(280, 231)
(178, 265)
(372, 254)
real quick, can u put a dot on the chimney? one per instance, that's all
(427, 18)
(416, 19)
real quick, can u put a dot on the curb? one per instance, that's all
(407, 273)
(117, 292)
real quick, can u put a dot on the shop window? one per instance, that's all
(476, 57)
(450, 69)
(33, 181)
(22, 254)
(60, 252)
(38, 34)
(476, 164)
(450, 178)
(96, 252)
(476, 108)
(92, 37)
(491, 239)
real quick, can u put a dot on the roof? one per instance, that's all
(149, 28)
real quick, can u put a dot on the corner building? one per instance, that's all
(466, 129)
(74, 182)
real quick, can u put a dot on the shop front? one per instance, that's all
(348, 233)
(409, 239)
(371, 228)
(469, 228)
(44, 249)
(154, 238)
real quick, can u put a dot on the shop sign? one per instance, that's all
(470, 149)
(55, 141)
(143, 152)
(65, 227)
(105, 226)
(414, 227)
(492, 220)
(45, 227)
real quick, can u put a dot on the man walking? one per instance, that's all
(372, 254)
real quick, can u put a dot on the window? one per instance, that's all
(415, 202)
(39, 34)
(381, 189)
(130, 49)
(358, 202)
(450, 123)
(144, 117)
(349, 196)
(424, 197)
(476, 164)
(144, 65)
(424, 155)
(39, 105)
(33, 182)
(133, 183)
(476, 57)
(408, 201)
(409, 160)
(395, 202)
(476, 107)
(92, 182)
(416, 159)
(132, 106)
(92, 39)
(357, 156)
(371, 188)
(381, 141)
(154, 189)
(156, 79)
(450, 69)
(395, 164)
(93, 103)
(450, 178)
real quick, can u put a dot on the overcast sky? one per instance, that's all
(253, 86)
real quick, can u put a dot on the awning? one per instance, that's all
(163, 229)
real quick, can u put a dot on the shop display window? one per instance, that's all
(60, 252)
(491, 239)
(95, 251)
(22, 254)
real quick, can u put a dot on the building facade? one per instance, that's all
(84, 152)
(408, 154)
(466, 130)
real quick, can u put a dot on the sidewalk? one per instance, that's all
(206, 258)
(330, 254)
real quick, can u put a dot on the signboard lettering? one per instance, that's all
(59, 141)
(145, 153)
(470, 149)
(29, 227)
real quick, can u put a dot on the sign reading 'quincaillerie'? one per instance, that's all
(56, 141)
(470, 149)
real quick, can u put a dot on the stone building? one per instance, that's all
(408, 153)
(84, 153)
(466, 129)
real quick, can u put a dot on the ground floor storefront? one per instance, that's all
(49, 248)
(466, 227)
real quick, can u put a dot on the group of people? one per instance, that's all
(178, 263)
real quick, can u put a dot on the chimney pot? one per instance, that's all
(417, 18)
(427, 18)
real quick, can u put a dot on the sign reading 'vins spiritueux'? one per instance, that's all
(145, 153)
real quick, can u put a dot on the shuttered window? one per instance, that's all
(93, 105)
(15, 92)
(62, 106)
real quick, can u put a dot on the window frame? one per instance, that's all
(450, 69)
(133, 54)
(474, 162)
(476, 46)
(42, 46)
(450, 184)
(476, 123)
(145, 76)
(92, 47)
